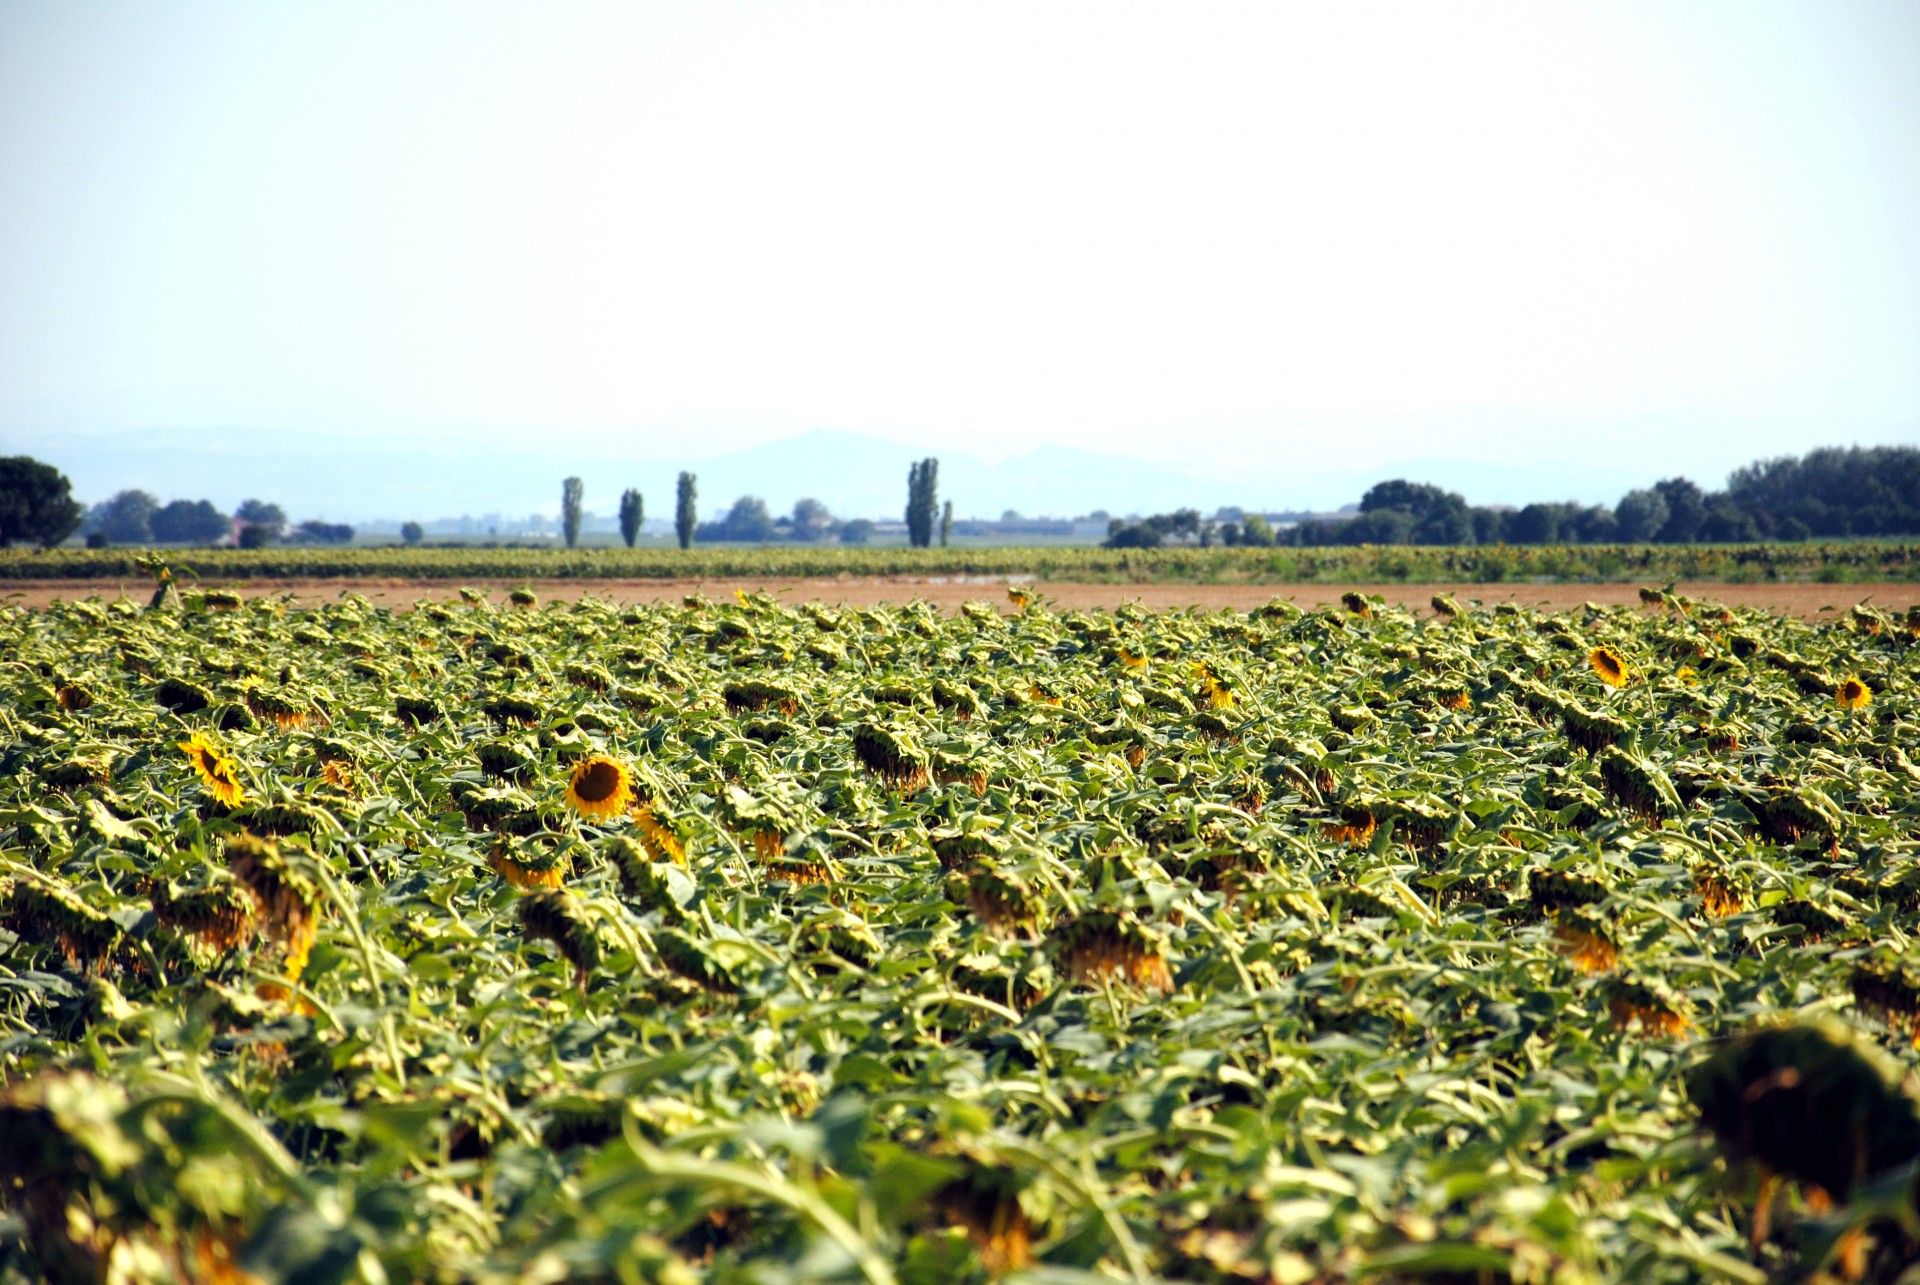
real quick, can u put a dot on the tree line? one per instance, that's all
(1828, 493)
(37, 506)
(749, 521)
(1832, 492)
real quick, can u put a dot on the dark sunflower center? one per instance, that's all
(598, 782)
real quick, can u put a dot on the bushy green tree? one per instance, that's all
(1535, 524)
(747, 522)
(1255, 530)
(632, 512)
(1833, 491)
(127, 517)
(191, 522)
(412, 532)
(811, 519)
(1640, 515)
(36, 502)
(1686, 511)
(260, 513)
(1437, 516)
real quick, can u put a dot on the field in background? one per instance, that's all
(1836, 563)
(1807, 600)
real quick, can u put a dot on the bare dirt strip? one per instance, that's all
(1805, 600)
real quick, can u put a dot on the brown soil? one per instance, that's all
(1807, 600)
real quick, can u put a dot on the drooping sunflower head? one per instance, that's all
(216, 770)
(1585, 939)
(1102, 946)
(985, 1202)
(1812, 1101)
(288, 900)
(1890, 995)
(530, 865)
(1852, 694)
(600, 787)
(1719, 896)
(555, 915)
(1659, 1011)
(1610, 665)
(1355, 827)
(891, 754)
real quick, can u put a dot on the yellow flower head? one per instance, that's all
(1587, 942)
(1853, 694)
(213, 766)
(600, 787)
(1610, 665)
(657, 833)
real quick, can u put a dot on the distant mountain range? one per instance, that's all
(313, 475)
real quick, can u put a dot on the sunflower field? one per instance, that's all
(494, 941)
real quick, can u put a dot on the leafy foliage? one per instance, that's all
(1283, 945)
(36, 502)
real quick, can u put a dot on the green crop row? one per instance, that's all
(1838, 562)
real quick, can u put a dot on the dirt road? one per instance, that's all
(1807, 600)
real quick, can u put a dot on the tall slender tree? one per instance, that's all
(684, 517)
(633, 511)
(923, 504)
(571, 492)
(946, 523)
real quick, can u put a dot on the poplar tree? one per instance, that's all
(632, 512)
(571, 492)
(923, 505)
(683, 514)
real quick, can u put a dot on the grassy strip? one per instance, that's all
(1836, 563)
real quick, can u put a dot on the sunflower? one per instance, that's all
(1356, 826)
(1852, 694)
(527, 866)
(1718, 897)
(600, 787)
(1610, 665)
(1659, 1012)
(657, 834)
(1212, 692)
(214, 767)
(1585, 939)
(985, 1202)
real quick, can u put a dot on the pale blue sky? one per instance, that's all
(1236, 233)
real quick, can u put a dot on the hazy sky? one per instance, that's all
(1197, 229)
